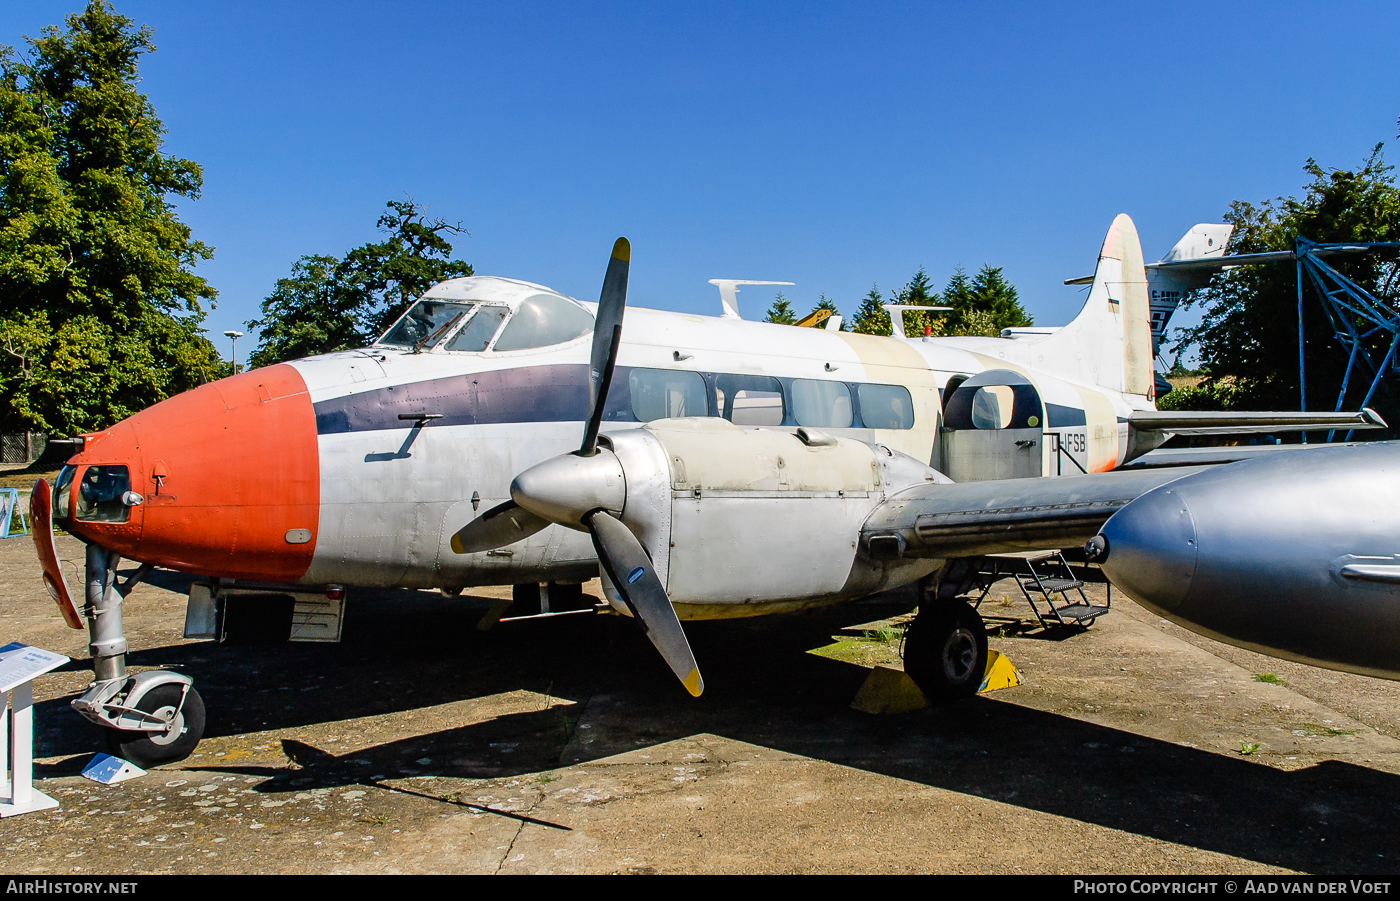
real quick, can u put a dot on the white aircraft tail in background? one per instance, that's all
(1183, 269)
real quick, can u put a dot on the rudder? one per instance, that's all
(1109, 344)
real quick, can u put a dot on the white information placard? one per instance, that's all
(20, 663)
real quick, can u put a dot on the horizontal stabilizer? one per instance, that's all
(1241, 423)
(1004, 515)
(1211, 264)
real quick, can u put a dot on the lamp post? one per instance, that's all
(233, 337)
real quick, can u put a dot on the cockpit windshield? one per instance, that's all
(540, 320)
(543, 321)
(427, 322)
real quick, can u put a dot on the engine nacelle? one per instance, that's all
(739, 520)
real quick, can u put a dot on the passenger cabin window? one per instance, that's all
(478, 332)
(886, 406)
(426, 322)
(750, 399)
(821, 405)
(1014, 406)
(666, 394)
(992, 407)
(544, 320)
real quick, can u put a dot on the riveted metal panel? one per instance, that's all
(648, 510)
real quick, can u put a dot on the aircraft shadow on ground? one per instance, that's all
(761, 688)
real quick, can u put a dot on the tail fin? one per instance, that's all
(1168, 285)
(1109, 343)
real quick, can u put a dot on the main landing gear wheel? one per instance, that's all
(149, 749)
(945, 651)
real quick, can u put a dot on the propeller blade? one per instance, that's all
(630, 571)
(607, 336)
(503, 524)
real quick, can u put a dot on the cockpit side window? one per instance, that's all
(544, 320)
(477, 333)
(100, 494)
(426, 320)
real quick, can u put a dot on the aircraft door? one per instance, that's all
(993, 428)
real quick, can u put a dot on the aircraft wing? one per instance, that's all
(999, 516)
(1209, 456)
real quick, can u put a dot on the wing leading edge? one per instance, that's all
(1005, 515)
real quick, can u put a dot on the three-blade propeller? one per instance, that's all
(585, 490)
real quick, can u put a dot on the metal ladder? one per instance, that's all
(1059, 579)
(1053, 577)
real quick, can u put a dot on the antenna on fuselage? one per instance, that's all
(729, 293)
(896, 311)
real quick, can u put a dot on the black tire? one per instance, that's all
(945, 651)
(149, 749)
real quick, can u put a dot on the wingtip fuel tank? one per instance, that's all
(1296, 555)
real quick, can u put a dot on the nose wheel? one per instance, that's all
(180, 708)
(945, 651)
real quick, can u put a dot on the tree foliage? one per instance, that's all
(982, 305)
(781, 312)
(826, 303)
(330, 304)
(1248, 336)
(102, 308)
(871, 317)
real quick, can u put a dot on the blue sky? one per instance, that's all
(829, 144)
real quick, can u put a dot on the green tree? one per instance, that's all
(982, 305)
(919, 291)
(1248, 336)
(871, 317)
(330, 304)
(826, 303)
(102, 307)
(781, 312)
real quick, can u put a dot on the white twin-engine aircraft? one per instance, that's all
(727, 468)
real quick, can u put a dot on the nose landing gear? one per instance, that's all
(151, 718)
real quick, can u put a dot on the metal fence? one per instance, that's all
(22, 448)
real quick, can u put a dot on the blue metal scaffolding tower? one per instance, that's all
(1356, 315)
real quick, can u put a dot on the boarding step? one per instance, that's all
(1081, 612)
(1047, 580)
(1052, 585)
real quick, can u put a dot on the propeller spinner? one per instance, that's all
(586, 490)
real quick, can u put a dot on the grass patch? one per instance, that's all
(862, 651)
(882, 635)
(1319, 729)
(1270, 678)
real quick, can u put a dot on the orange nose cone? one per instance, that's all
(229, 479)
